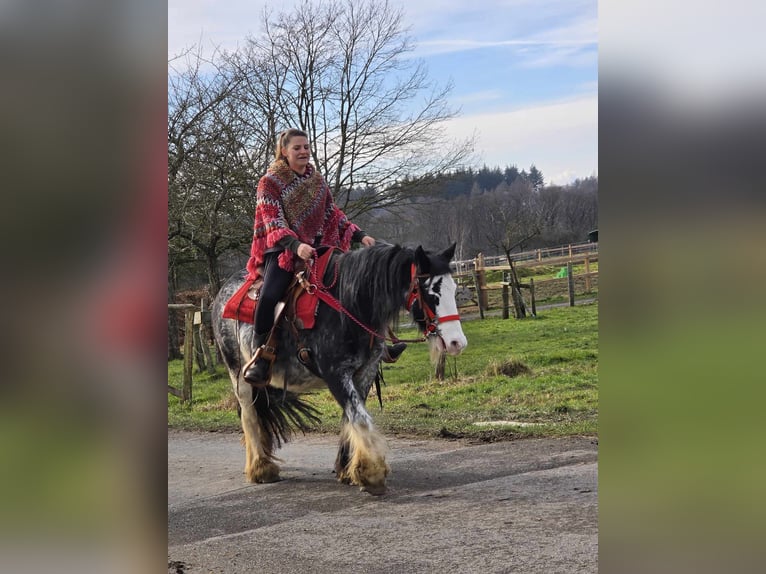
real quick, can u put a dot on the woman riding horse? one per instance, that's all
(294, 215)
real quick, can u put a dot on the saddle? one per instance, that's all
(303, 305)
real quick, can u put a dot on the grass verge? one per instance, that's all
(517, 378)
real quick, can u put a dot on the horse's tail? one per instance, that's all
(282, 412)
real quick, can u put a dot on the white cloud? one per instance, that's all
(478, 97)
(560, 138)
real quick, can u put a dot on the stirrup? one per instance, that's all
(391, 354)
(262, 377)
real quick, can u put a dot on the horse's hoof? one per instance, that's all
(375, 490)
(263, 473)
(268, 479)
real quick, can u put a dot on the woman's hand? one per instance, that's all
(368, 241)
(305, 251)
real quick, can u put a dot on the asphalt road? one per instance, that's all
(452, 507)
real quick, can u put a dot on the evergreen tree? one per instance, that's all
(536, 178)
(510, 174)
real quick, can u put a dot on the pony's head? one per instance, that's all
(432, 301)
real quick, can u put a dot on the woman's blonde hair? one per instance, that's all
(283, 140)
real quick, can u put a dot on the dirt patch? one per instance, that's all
(511, 368)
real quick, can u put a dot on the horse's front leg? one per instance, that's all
(362, 453)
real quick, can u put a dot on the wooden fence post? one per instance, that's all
(186, 396)
(199, 352)
(185, 393)
(204, 337)
(505, 301)
(520, 310)
(477, 284)
(532, 295)
(587, 274)
(570, 284)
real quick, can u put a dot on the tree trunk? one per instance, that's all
(214, 278)
(518, 300)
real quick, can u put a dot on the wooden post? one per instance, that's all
(478, 293)
(199, 352)
(570, 283)
(505, 301)
(204, 337)
(587, 274)
(188, 356)
(570, 250)
(483, 295)
(532, 295)
(518, 300)
(480, 278)
(185, 394)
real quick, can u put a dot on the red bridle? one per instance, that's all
(432, 320)
(414, 294)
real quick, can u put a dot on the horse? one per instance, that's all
(364, 292)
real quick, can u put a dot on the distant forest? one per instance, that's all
(492, 211)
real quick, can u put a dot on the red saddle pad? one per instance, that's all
(241, 307)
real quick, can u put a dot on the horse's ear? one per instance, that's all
(449, 253)
(421, 260)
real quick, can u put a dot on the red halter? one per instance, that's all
(415, 294)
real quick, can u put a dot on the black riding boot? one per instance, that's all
(391, 353)
(257, 371)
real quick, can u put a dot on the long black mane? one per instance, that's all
(373, 282)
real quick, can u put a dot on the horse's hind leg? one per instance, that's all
(234, 340)
(259, 447)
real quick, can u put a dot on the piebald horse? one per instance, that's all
(364, 292)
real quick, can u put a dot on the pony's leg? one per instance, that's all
(362, 453)
(259, 447)
(342, 460)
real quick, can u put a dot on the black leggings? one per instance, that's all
(275, 283)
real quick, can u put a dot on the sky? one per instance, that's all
(525, 72)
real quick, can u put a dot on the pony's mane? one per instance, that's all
(372, 282)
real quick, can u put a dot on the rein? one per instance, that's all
(315, 286)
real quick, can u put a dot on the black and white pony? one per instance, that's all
(372, 286)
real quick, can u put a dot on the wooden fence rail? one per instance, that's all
(473, 288)
(548, 256)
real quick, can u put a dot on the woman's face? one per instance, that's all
(297, 153)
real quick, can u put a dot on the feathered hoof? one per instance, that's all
(375, 490)
(369, 477)
(263, 472)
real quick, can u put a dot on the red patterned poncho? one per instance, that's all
(297, 205)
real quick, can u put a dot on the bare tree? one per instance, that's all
(210, 199)
(512, 216)
(338, 69)
(373, 116)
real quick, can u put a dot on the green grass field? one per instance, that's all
(540, 370)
